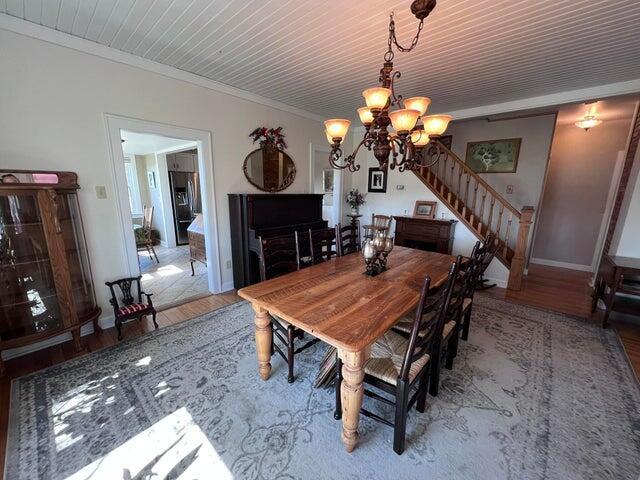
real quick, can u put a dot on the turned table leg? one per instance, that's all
(263, 341)
(352, 393)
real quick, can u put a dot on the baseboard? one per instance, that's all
(164, 243)
(227, 286)
(108, 321)
(570, 266)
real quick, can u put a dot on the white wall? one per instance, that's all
(401, 202)
(629, 243)
(536, 134)
(52, 106)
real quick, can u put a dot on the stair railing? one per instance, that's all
(481, 208)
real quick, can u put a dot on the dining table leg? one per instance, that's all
(352, 393)
(264, 338)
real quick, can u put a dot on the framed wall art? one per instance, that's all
(377, 180)
(493, 156)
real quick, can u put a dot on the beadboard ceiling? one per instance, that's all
(320, 55)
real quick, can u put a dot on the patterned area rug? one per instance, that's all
(533, 395)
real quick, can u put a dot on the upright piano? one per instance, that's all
(267, 215)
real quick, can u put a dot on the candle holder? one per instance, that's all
(375, 252)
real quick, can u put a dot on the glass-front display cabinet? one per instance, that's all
(46, 286)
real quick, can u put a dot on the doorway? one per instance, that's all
(165, 190)
(326, 181)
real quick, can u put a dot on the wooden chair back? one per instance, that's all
(381, 221)
(348, 238)
(488, 251)
(303, 250)
(147, 222)
(322, 244)
(431, 315)
(278, 256)
(128, 289)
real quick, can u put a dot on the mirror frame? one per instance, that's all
(288, 181)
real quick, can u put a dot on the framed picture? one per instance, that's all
(494, 156)
(425, 209)
(327, 180)
(377, 180)
(152, 179)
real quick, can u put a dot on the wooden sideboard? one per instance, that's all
(425, 233)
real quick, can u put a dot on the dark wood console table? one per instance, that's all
(425, 233)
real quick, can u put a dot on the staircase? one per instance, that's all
(480, 208)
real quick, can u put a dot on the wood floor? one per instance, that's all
(568, 291)
(102, 339)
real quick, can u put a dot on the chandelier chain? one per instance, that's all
(393, 39)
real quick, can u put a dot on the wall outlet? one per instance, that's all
(101, 191)
(399, 187)
(228, 264)
(509, 188)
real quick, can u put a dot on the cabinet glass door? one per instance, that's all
(28, 301)
(77, 257)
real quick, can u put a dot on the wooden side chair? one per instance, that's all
(400, 366)
(303, 250)
(472, 271)
(448, 344)
(491, 245)
(348, 238)
(131, 304)
(279, 256)
(322, 244)
(379, 223)
(146, 241)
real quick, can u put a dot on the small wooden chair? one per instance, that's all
(348, 238)
(378, 223)
(279, 256)
(322, 244)
(401, 366)
(147, 241)
(129, 307)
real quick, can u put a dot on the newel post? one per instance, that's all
(517, 262)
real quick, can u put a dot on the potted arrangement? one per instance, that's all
(354, 200)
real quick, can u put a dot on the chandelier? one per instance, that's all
(406, 147)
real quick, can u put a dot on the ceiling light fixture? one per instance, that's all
(414, 130)
(589, 120)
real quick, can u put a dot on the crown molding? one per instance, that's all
(560, 98)
(46, 34)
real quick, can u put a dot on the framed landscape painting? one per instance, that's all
(494, 156)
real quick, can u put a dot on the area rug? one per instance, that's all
(533, 395)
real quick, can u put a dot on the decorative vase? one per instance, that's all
(355, 211)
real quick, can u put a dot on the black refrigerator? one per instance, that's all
(186, 202)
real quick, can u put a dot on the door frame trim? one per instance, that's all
(338, 177)
(113, 125)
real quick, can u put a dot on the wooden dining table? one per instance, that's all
(337, 303)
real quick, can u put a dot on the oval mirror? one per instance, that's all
(269, 169)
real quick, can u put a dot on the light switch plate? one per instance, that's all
(101, 191)
(399, 187)
(509, 188)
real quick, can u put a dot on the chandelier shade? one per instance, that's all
(419, 138)
(404, 120)
(435, 125)
(337, 127)
(329, 139)
(366, 117)
(418, 103)
(376, 97)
